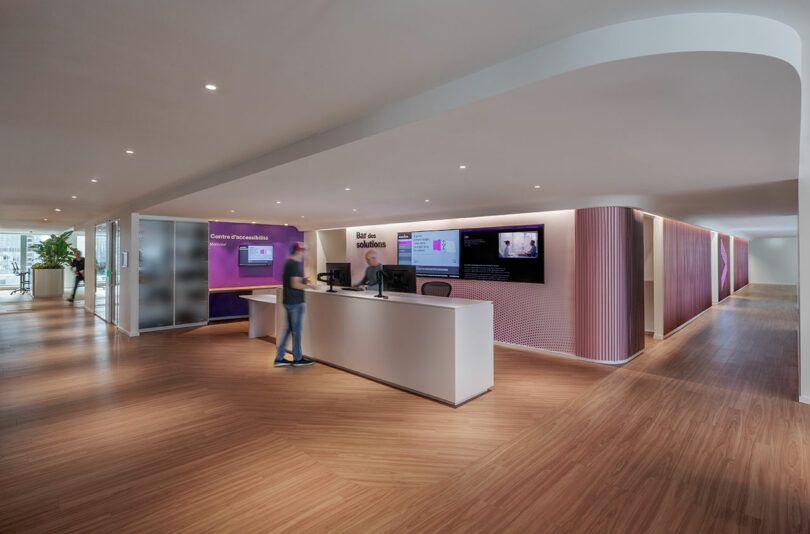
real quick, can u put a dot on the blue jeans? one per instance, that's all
(295, 320)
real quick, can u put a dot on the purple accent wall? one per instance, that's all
(223, 253)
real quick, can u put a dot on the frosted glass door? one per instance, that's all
(156, 274)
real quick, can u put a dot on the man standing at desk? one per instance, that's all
(293, 295)
(369, 281)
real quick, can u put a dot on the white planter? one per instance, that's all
(48, 283)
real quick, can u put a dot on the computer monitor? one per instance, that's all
(399, 278)
(343, 273)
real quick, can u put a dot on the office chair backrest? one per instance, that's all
(437, 289)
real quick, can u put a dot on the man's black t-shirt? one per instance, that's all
(291, 295)
(79, 266)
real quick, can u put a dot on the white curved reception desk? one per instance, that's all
(434, 346)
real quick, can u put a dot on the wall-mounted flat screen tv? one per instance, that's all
(434, 254)
(255, 255)
(511, 254)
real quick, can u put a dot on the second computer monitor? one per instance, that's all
(343, 273)
(399, 278)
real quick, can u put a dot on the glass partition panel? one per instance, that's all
(191, 272)
(101, 270)
(156, 274)
(11, 255)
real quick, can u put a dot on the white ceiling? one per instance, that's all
(683, 135)
(83, 81)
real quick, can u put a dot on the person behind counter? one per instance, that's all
(369, 281)
(294, 286)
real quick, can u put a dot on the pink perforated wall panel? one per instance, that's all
(740, 263)
(534, 315)
(687, 273)
(609, 283)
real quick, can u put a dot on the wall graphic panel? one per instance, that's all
(609, 283)
(724, 260)
(740, 263)
(687, 273)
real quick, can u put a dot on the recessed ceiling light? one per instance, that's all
(216, 220)
(537, 187)
(130, 151)
(427, 200)
(278, 202)
(348, 189)
(462, 166)
(354, 209)
(73, 197)
(252, 222)
(211, 87)
(285, 224)
(302, 216)
(46, 220)
(233, 211)
(94, 180)
(57, 209)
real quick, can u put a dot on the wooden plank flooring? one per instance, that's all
(195, 431)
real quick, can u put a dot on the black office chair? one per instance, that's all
(437, 289)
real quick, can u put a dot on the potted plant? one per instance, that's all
(54, 253)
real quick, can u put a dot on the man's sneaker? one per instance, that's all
(282, 363)
(301, 363)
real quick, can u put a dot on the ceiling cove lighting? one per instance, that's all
(129, 152)
(211, 87)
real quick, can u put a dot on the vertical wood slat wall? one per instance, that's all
(740, 263)
(724, 288)
(687, 273)
(609, 267)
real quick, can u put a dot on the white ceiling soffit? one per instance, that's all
(683, 135)
(73, 106)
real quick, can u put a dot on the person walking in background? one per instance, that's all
(369, 281)
(293, 295)
(77, 266)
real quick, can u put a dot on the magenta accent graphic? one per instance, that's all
(437, 244)
(725, 265)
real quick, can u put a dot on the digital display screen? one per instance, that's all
(503, 254)
(434, 254)
(255, 255)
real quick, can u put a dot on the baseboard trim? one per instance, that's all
(212, 319)
(566, 355)
(804, 399)
(684, 325)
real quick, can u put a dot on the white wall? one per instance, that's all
(773, 260)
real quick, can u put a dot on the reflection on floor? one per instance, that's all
(195, 430)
